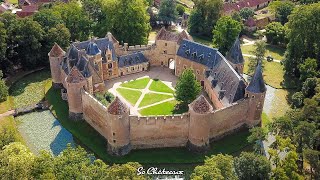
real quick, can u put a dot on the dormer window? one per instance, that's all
(184, 46)
(194, 54)
(209, 55)
(201, 57)
(187, 52)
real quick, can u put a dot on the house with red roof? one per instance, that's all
(229, 8)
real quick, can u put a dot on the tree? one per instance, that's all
(275, 33)
(187, 88)
(312, 157)
(3, 41)
(259, 53)
(168, 11)
(124, 171)
(75, 19)
(297, 99)
(216, 167)
(252, 166)
(282, 10)
(225, 33)
(180, 9)
(246, 13)
(58, 34)
(303, 36)
(308, 69)
(309, 87)
(236, 16)
(129, 21)
(48, 18)
(15, 162)
(26, 36)
(43, 166)
(258, 135)
(204, 16)
(4, 90)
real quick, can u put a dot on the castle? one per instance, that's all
(232, 103)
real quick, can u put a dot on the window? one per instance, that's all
(165, 44)
(164, 52)
(114, 141)
(184, 67)
(110, 65)
(252, 96)
(198, 72)
(114, 134)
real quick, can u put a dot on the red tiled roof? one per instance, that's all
(231, 7)
(56, 51)
(117, 107)
(250, 22)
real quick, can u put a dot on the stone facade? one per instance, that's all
(232, 103)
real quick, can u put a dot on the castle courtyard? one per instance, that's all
(146, 91)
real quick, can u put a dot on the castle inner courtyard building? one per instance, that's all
(228, 102)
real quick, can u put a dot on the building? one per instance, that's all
(230, 7)
(232, 103)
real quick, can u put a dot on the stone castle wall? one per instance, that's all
(159, 131)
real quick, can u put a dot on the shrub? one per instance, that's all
(297, 99)
(180, 9)
(104, 97)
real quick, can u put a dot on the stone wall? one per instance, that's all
(228, 119)
(159, 132)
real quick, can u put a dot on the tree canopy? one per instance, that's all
(225, 33)
(187, 88)
(168, 11)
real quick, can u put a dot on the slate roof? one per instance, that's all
(226, 82)
(257, 84)
(92, 49)
(132, 59)
(235, 53)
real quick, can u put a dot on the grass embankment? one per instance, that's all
(136, 84)
(275, 51)
(159, 86)
(152, 98)
(130, 95)
(91, 139)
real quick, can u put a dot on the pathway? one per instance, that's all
(135, 109)
(8, 113)
(249, 55)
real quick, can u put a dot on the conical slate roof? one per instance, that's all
(235, 53)
(257, 84)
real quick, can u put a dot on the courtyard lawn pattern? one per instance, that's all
(42, 131)
(159, 86)
(136, 84)
(152, 98)
(30, 89)
(91, 139)
(130, 95)
(166, 108)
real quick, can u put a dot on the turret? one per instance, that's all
(256, 92)
(119, 140)
(200, 112)
(235, 57)
(94, 54)
(55, 57)
(75, 82)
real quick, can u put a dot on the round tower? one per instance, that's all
(55, 57)
(200, 111)
(119, 139)
(75, 83)
(255, 92)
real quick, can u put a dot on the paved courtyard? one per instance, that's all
(164, 74)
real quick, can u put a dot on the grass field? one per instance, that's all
(13, 1)
(6, 105)
(136, 84)
(166, 108)
(152, 98)
(159, 86)
(130, 95)
(30, 89)
(276, 52)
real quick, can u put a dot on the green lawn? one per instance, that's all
(152, 98)
(159, 86)
(6, 105)
(167, 108)
(136, 84)
(202, 40)
(13, 1)
(130, 95)
(273, 74)
(275, 51)
(29, 89)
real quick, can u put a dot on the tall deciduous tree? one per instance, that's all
(3, 41)
(258, 135)
(26, 36)
(252, 166)
(187, 88)
(216, 167)
(204, 16)
(282, 10)
(168, 11)
(259, 54)
(246, 13)
(308, 69)
(225, 33)
(275, 33)
(48, 18)
(58, 34)
(75, 19)
(129, 21)
(304, 37)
